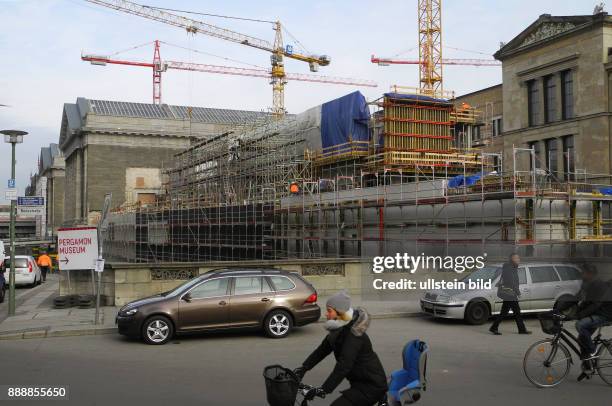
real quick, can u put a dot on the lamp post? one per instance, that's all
(12, 137)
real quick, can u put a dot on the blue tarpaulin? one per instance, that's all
(344, 119)
(606, 191)
(461, 180)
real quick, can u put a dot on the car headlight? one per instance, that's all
(131, 312)
(444, 299)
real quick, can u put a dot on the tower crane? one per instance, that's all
(430, 50)
(158, 67)
(277, 50)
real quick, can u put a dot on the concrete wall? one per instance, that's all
(122, 283)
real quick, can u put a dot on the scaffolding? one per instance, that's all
(263, 192)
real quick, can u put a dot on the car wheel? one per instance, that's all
(278, 324)
(39, 280)
(477, 313)
(157, 330)
(33, 284)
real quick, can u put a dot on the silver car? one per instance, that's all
(542, 287)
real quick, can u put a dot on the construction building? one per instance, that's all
(121, 148)
(355, 179)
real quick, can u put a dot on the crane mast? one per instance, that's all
(430, 47)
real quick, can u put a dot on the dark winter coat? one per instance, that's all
(355, 359)
(596, 298)
(509, 277)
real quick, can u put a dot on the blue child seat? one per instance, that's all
(406, 383)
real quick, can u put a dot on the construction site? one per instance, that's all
(356, 177)
(340, 182)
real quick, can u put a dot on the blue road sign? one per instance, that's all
(11, 183)
(31, 201)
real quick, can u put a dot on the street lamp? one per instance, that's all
(12, 137)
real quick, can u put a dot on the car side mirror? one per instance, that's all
(187, 297)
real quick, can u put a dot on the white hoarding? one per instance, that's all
(77, 248)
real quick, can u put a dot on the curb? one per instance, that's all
(22, 335)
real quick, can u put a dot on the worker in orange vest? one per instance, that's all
(45, 264)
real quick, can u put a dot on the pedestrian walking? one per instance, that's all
(508, 290)
(45, 264)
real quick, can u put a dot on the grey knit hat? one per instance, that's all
(340, 302)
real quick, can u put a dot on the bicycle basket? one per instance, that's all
(550, 325)
(281, 385)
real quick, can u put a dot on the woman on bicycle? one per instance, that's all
(355, 359)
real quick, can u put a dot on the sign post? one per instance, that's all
(102, 225)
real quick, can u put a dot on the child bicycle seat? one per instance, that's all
(406, 384)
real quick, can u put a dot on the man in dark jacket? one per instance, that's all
(355, 359)
(510, 281)
(594, 309)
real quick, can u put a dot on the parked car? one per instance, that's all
(26, 270)
(268, 299)
(543, 286)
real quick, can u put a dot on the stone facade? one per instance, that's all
(570, 131)
(122, 148)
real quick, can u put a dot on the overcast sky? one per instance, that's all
(42, 40)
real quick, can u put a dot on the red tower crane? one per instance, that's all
(158, 66)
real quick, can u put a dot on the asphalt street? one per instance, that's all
(467, 366)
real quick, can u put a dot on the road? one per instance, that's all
(467, 366)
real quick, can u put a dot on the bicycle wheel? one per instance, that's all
(603, 363)
(546, 376)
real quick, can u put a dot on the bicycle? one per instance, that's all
(283, 387)
(554, 359)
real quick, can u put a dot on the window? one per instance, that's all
(248, 285)
(212, 288)
(537, 152)
(551, 156)
(20, 262)
(569, 273)
(522, 274)
(542, 274)
(497, 126)
(569, 166)
(567, 95)
(550, 99)
(477, 133)
(282, 283)
(533, 102)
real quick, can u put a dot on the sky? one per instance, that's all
(42, 41)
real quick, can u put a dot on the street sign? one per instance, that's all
(27, 211)
(10, 194)
(30, 201)
(77, 248)
(11, 183)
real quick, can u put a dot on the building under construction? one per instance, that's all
(356, 179)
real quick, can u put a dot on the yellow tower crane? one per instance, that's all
(277, 49)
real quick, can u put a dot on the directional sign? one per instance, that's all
(77, 248)
(26, 211)
(30, 201)
(11, 183)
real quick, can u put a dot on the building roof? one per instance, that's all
(547, 28)
(74, 113)
(486, 89)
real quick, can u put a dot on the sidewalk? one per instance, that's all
(36, 318)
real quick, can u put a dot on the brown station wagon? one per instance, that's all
(269, 299)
